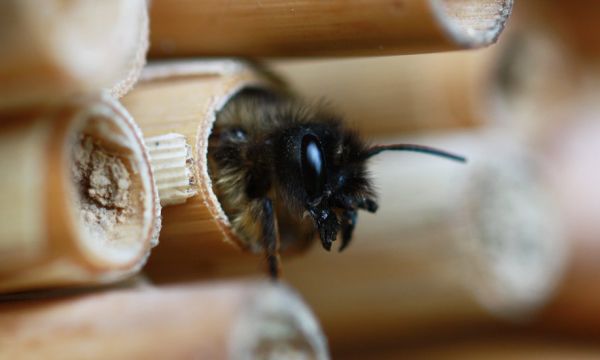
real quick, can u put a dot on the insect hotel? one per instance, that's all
(179, 179)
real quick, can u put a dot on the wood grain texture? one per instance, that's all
(333, 28)
(182, 98)
(45, 241)
(571, 149)
(172, 163)
(449, 247)
(385, 95)
(208, 321)
(547, 97)
(494, 345)
(55, 49)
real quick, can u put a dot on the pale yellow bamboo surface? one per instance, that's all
(182, 98)
(400, 94)
(547, 97)
(449, 247)
(310, 27)
(50, 233)
(195, 321)
(54, 49)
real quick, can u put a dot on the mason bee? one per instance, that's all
(285, 172)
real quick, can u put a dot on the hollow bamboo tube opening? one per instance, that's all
(572, 149)
(54, 49)
(451, 245)
(87, 209)
(332, 28)
(176, 105)
(216, 321)
(110, 187)
(473, 23)
(496, 226)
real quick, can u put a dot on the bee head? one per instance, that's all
(327, 177)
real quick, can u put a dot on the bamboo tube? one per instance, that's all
(547, 61)
(572, 23)
(54, 49)
(517, 346)
(78, 202)
(548, 98)
(334, 28)
(450, 246)
(546, 92)
(211, 321)
(535, 78)
(572, 169)
(400, 94)
(175, 102)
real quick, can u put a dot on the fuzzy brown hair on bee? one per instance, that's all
(286, 172)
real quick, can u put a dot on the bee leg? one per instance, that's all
(270, 238)
(327, 224)
(368, 204)
(348, 223)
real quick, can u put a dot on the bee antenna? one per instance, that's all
(374, 150)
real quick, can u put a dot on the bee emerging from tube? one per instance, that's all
(285, 172)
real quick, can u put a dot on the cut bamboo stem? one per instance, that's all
(572, 167)
(79, 205)
(211, 321)
(547, 96)
(54, 49)
(572, 23)
(400, 94)
(301, 28)
(451, 245)
(175, 105)
(547, 63)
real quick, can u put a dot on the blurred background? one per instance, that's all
(497, 258)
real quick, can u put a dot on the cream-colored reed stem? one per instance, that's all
(384, 95)
(451, 245)
(78, 201)
(175, 104)
(210, 321)
(341, 27)
(54, 49)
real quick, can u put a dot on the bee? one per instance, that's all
(285, 172)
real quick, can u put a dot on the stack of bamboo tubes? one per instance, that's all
(216, 321)
(560, 100)
(81, 207)
(79, 203)
(94, 145)
(479, 270)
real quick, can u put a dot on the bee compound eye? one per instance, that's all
(313, 166)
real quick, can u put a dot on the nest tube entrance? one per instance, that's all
(473, 23)
(93, 214)
(111, 187)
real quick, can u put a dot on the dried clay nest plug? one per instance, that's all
(83, 207)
